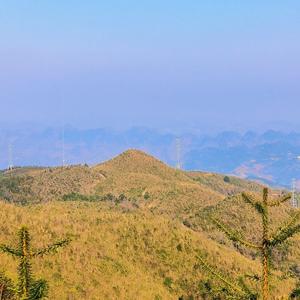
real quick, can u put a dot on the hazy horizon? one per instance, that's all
(170, 65)
(176, 128)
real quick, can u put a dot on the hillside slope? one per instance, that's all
(136, 224)
(117, 255)
(133, 173)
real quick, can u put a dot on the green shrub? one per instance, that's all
(226, 179)
(168, 282)
(94, 198)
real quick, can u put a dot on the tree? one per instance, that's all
(27, 287)
(268, 242)
(226, 179)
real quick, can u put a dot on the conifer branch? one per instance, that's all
(286, 230)
(279, 201)
(252, 201)
(39, 290)
(8, 250)
(284, 234)
(7, 289)
(244, 286)
(253, 277)
(234, 235)
(249, 199)
(234, 287)
(291, 222)
(51, 248)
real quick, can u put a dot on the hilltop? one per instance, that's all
(137, 177)
(133, 179)
(131, 170)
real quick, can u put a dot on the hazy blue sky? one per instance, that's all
(214, 64)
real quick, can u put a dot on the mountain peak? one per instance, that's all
(137, 161)
(133, 158)
(137, 154)
(133, 151)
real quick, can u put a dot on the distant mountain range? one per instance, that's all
(272, 157)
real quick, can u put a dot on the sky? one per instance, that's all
(220, 64)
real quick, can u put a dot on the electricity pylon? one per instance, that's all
(294, 201)
(178, 154)
(10, 157)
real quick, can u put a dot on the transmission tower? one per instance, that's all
(63, 147)
(10, 157)
(294, 200)
(178, 154)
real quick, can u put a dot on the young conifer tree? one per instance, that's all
(27, 288)
(268, 242)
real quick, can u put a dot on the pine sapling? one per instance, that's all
(28, 288)
(269, 241)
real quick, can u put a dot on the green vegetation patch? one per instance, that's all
(95, 198)
(15, 189)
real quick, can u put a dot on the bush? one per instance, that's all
(168, 282)
(226, 179)
(146, 196)
(94, 198)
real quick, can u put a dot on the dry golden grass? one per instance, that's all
(217, 182)
(117, 255)
(120, 253)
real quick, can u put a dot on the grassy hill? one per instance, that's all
(117, 255)
(132, 173)
(135, 174)
(136, 226)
